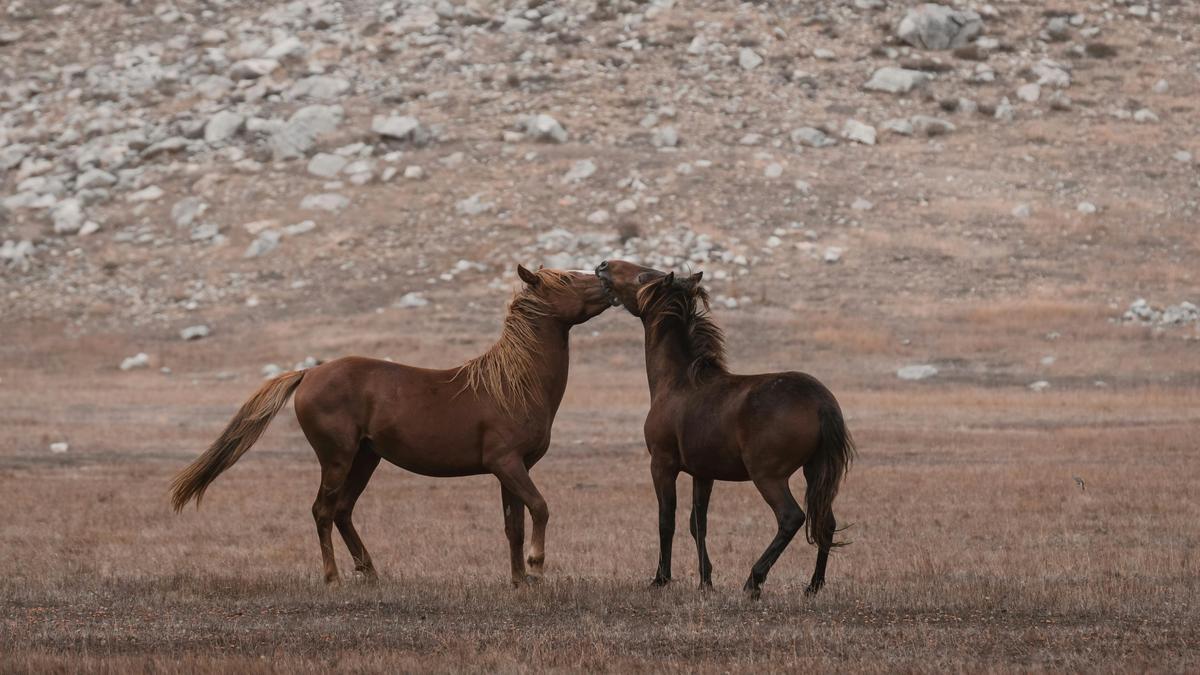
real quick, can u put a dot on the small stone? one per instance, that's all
(60, 447)
(67, 216)
(149, 194)
(186, 210)
(1029, 93)
(626, 206)
(400, 127)
(411, 300)
(1145, 116)
(917, 372)
(140, 360)
(326, 165)
(223, 126)
(900, 126)
(300, 133)
(89, 227)
(861, 204)
(931, 126)
(319, 88)
(932, 26)
(1086, 208)
(832, 254)
(250, 69)
(580, 171)
(1040, 385)
(299, 228)
(773, 170)
(896, 80)
(328, 201)
(1022, 211)
(812, 137)
(858, 132)
(544, 128)
(1182, 156)
(748, 59)
(473, 205)
(196, 332)
(1162, 87)
(665, 137)
(414, 172)
(266, 242)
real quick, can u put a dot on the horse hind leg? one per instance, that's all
(789, 519)
(360, 473)
(336, 461)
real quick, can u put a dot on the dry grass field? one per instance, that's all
(973, 547)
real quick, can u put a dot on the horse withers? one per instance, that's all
(715, 425)
(493, 414)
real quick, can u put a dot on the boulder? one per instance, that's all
(932, 26)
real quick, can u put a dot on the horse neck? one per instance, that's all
(553, 353)
(667, 360)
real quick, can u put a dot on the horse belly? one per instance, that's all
(443, 451)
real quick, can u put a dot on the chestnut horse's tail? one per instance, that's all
(824, 472)
(242, 431)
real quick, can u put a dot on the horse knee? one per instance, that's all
(322, 513)
(539, 512)
(791, 522)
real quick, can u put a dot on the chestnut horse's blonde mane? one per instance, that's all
(508, 371)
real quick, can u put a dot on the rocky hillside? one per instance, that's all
(163, 163)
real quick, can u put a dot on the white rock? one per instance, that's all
(812, 137)
(916, 372)
(319, 88)
(832, 254)
(626, 206)
(1029, 93)
(698, 46)
(1162, 87)
(473, 205)
(186, 210)
(89, 227)
(1040, 385)
(400, 127)
(773, 170)
(858, 132)
(411, 300)
(931, 26)
(250, 69)
(60, 447)
(1145, 116)
(223, 126)
(266, 242)
(1022, 211)
(900, 126)
(140, 360)
(326, 165)
(67, 216)
(579, 171)
(1182, 156)
(861, 204)
(328, 201)
(300, 133)
(748, 59)
(931, 126)
(665, 137)
(1086, 207)
(414, 172)
(1051, 74)
(299, 228)
(149, 194)
(896, 80)
(195, 332)
(544, 128)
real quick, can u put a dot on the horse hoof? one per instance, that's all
(706, 586)
(811, 590)
(659, 582)
(752, 591)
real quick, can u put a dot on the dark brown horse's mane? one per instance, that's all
(686, 303)
(507, 372)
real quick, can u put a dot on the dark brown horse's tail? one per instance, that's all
(243, 430)
(824, 473)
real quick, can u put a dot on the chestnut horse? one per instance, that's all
(715, 425)
(491, 415)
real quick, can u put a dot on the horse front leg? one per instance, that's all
(664, 471)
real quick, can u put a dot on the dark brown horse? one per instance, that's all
(715, 425)
(491, 415)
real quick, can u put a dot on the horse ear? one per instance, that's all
(527, 276)
(694, 280)
(669, 279)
